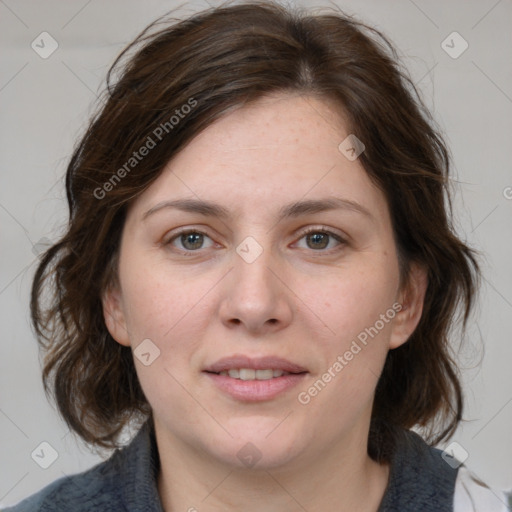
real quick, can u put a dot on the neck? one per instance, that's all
(343, 478)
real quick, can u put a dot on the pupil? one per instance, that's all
(318, 237)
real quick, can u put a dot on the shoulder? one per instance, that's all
(94, 489)
(424, 478)
(125, 481)
(472, 495)
(419, 477)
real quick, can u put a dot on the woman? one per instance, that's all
(260, 270)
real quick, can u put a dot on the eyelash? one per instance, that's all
(188, 252)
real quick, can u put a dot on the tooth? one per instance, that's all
(247, 374)
(264, 374)
(250, 374)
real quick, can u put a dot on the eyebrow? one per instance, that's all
(292, 210)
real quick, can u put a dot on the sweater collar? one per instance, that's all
(138, 466)
(419, 478)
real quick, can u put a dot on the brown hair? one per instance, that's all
(220, 59)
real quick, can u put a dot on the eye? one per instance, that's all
(191, 240)
(320, 239)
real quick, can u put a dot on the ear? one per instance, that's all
(411, 299)
(114, 316)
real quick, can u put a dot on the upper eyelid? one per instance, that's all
(321, 229)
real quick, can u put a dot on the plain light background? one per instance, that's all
(45, 104)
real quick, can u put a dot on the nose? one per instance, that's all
(256, 296)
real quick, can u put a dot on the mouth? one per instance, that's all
(251, 380)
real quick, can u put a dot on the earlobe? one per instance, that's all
(114, 316)
(411, 298)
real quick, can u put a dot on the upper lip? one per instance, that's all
(255, 363)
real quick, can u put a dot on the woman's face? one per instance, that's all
(289, 273)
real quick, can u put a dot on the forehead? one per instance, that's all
(279, 149)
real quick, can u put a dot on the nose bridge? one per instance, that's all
(255, 296)
(253, 264)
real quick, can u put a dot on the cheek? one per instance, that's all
(169, 309)
(357, 309)
(351, 302)
(171, 313)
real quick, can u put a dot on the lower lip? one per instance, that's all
(256, 390)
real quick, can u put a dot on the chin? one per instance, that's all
(258, 443)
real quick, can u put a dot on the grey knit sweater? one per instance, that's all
(420, 480)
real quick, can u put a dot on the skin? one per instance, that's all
(302, 299)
